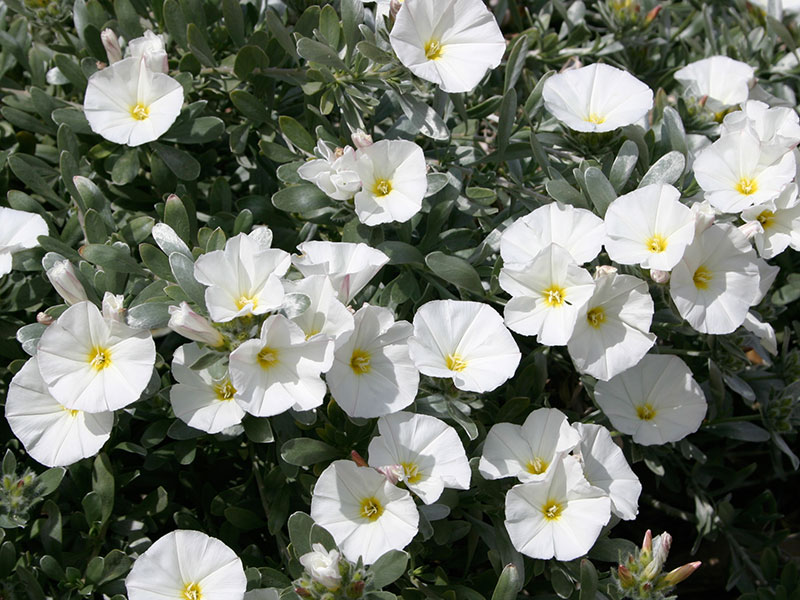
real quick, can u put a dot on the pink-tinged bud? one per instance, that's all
(64, 278)
(393, 473)
(604, 271)
(44, 319)
(186, 322)
(625, 578)
(111, 44)
(751, 229)
(361, 139)
(394, 7)
(647, 544)
(112, 307)
(652, 14)
(302, 592)
(358, 459)
(675, 576)
(659, 276)
(661, 546)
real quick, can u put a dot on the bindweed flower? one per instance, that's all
(428, 450)
(722, 81)
(366, 515)
(189, 565)
(779, 223)
(184, 321)
(127, 103)
(19, 230)
(149, 47)
(596, 98)
(657, 401)
(465, 341)
(322, 566)
(325, 315)
(334, 172)
(94, 364)
(64, 278)
(393, 182)
(776, 128)
(452, 43)
(52, 434)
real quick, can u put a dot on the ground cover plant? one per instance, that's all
(413, 299)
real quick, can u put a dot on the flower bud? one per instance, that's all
(675, 576)
(64, 278)
(394, 7)
(323, 566)
(704, 216)
(358, 459)
(186, 322)
(44, 319)
(647, 544)
(651, 16)
(393, 473)
(111, 44)
(751, 229)
(150, 47)
(625, 578)
(302, 592)
(659, 276)
(661, 544)
(604, 271)
(112, 307)
(361, 139)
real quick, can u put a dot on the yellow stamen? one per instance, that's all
(747, 186)
(224, 390)
(537, 466)
(371, 508)
(552, 510)
(433, 49)
(245, 300)
(382, 187)
(702, 276)
(312, 333)
(646, 412)
(554, 296)
(656, 243)
(766, 218)
(454, 362)
(140, 112)
(595, 118)
(267, 358)
(359, 361)
(99, 358)
(596, 317)
(191, 591)
(72, 412)
(411, 471)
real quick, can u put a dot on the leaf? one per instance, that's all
(423, 118)
(49, 481)
(400, 253)
(177, 217)
(169, 241)
(251, 107)
(112, 258)
(352, 17)
(588, 580)
(508, 114)
(34, 172)
(181, 163)
(623, 165)
(738, 430)
(126, 167)
(666, 169)
(280, 33)
(127, 18)
(29, 335)
(200, 130)
(516, 62)
(296, 134)
(234, 21)
(388, 568)
(249, 59)
(150, 315)
(199, 45)
(455, 270)
(103, 484)
(601, 192)
(183, 269)
(560, 190)
(307, 451)
(294, 305)
(508, 585)
(317, 52)
(300, 525)
(301, 198)
(258, 429)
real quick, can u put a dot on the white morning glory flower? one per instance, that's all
(780, 223)
(244, 278)
(596, 98)
(52, 434)
(127, 103)
(427, 449)
(372, 374)
(452, 43)
(558, 517)
(19, 230)
(777, 128)
(394, 180)
(187, 565)
(366, 515)
(530, 450)
(92, 363)
(325, 315)
(657, 401)
(334, 172)
(724, 82)
(465, 341)
(649, 227)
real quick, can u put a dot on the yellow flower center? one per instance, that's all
(224, 390)
(766, 218)
(747, 186)
(245, 300)
(268, 357)
(382, 187)
(552, 510)
(140, 112)
(646, 412)
(311, 334)
(554, 296)
(537, 466)
(454, 362)
(411, 471)
(191, 591)
(656, 244)
(702, 277)
(595, 118)
(433, 49)
(359, 361)
(99, 358)
(596, 317)
(371, 508)
(72, 412)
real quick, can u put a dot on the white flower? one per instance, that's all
(111, 44)
(580, 232)
(64, 278)
(322, 566)
(717, 280)
(738, 171)
(151, 48)
(325, 314)
(559, 517)
(548, 294)
(427, 449)
(452, 43)
(199, 399)
(113, 307)
(280, 370)
(650, 227)
(127, 103)
(615, 333)
(764, 331)
(789, 6)
(349, 266)
(596, 98)
(530, 450)
(777, 127)
(394, 180)
(372, 374)
(780, 223)
(19, 230)
(334, 172)
(243, 279)
(366, 515)
(187, 565)
(604, 466)
(184, 321)
(657, 401)
(724, 81)
(52, 434)
(463, 340)
(95, 364)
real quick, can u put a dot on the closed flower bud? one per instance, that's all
(751, 229)
(151, 47)
(111, 44)
(604, 270)
(64, 278)
(659, 276)
(112, 307)
(675, 576)
(323, 566)
(625, 577)
(361, 139)
(189, 324)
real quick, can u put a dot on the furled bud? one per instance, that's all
(394, 7)
(675, 576)
(358, 459)
(604, 271)
(751, 229)
(647, 544)
(112, 307)
(186, 322)
(323, 566)
(625, 578)
(660, 544)
(704, 216)
(393, 473)
(150, 47)
(64, 278)
(111, 44)
(361, 139)
(659, 276)
(652, 14)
